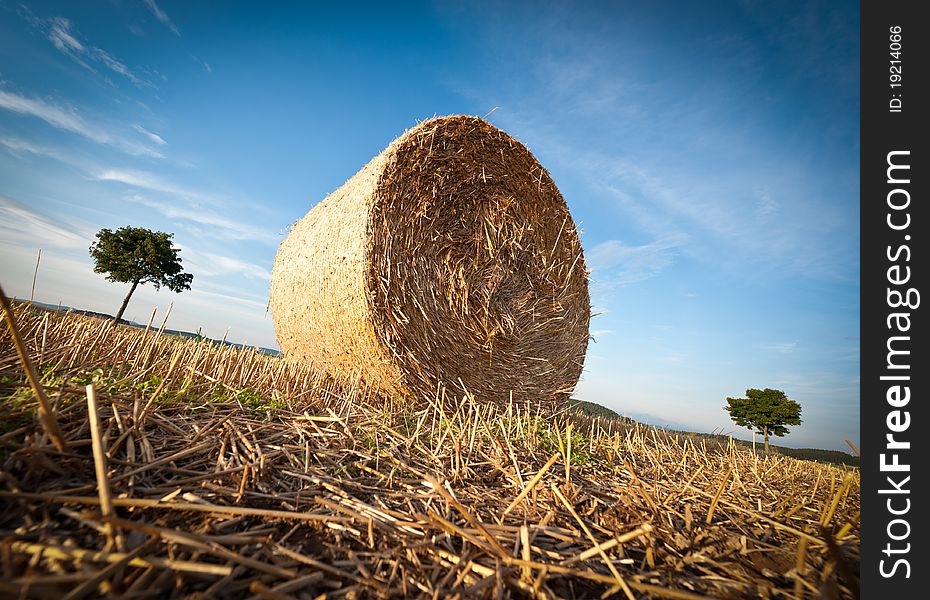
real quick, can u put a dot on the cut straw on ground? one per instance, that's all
(248, 476)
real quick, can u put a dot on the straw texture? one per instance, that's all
(449, 260)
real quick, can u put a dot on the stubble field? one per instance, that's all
(212, 471)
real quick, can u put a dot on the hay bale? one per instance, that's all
(450, 259)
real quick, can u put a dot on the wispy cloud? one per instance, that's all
(601, 332)
(619, 264)
(18, 146)
(162, 16)
(150, 181)
(17, 222)
(781, 347)
(206, 66)
(232, 287)
(673, 357)
(614, 265)
(227, 264)
(193, 209)
(208, 264)
(68, 119)
(117, 67)
(657, 149)
(150, 135)
(217, 225)
(59, 33)
(759, 218)
(765, 205)
(212, 297)
(81, 161)
(62, 33)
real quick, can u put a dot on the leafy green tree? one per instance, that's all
(767, 411)
(138, 256)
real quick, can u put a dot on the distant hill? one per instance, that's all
(815, 454)
(592, 409)
(185, 334)
(828, 456)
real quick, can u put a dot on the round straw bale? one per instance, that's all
(449, 261)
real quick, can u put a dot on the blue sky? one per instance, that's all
(709, 152)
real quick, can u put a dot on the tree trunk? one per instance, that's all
(122, 308)
(765, 434)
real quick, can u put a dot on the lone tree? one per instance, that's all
(765, 411)
(136, 255)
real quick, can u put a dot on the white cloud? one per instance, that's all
(782, 347)
(673, 357)
(23, 225)
(236, 288)
(117, 67)
(226, 298)
(206, 66)
(69, 120)
(214, 224)
(150, 181)
(208, 264)
(60, 35)
(671, 164)
(150, 135)
(615, 263)
(219, 226)
(732, 224)
(227, 264)
(601, 332)
(18, 146)
(162, 16)
(64, 36)
(765, 205)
